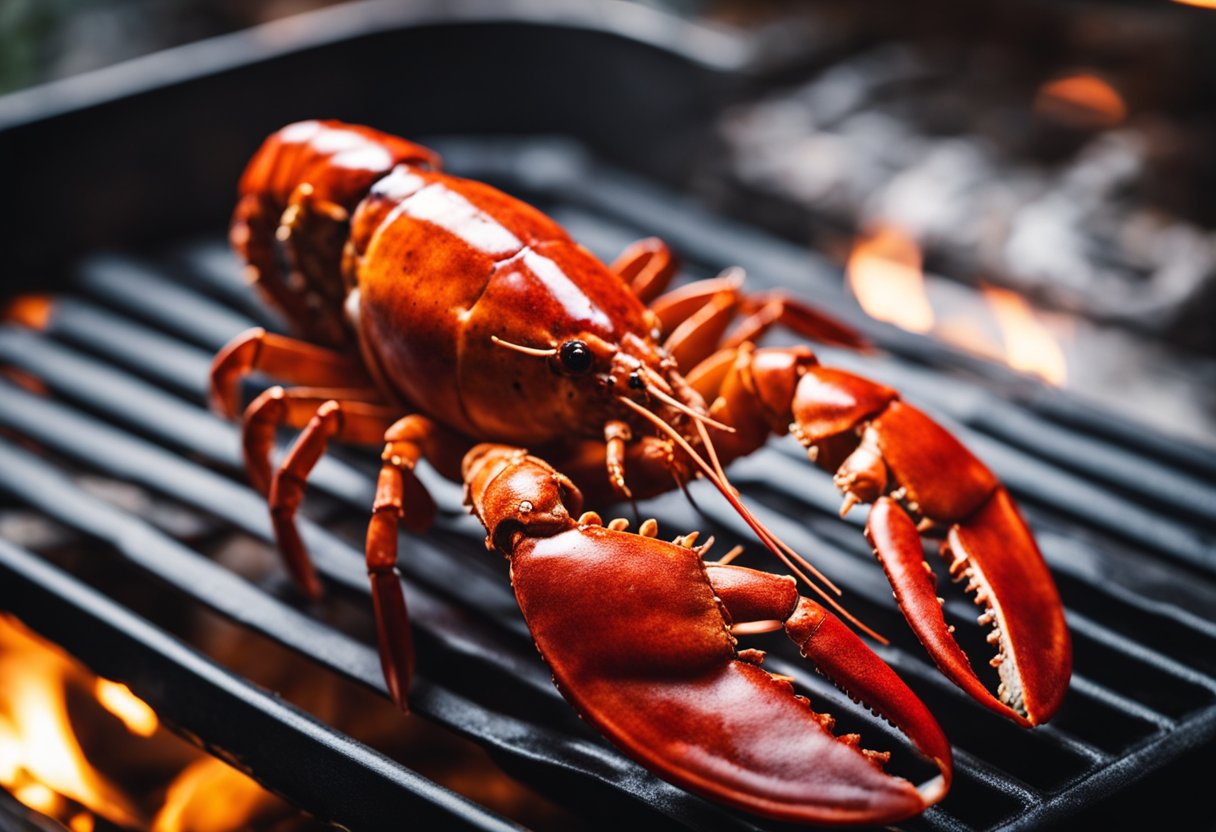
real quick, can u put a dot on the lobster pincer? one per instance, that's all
(884, 451)
(638, 633)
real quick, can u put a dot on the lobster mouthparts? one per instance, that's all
(637, 633)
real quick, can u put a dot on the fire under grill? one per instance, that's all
(110, 397)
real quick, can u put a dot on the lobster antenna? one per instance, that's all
(803, 562)
(764, 534)
(525, 350)
(806, 564)
(713, 454)
(686, 410)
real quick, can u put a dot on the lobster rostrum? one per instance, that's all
(451, 322)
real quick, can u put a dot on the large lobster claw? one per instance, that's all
(637, 632)
(905, 454)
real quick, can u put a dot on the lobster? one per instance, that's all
(450, 322)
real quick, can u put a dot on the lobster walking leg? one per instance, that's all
(695, 317)
(332, 419)
(402, 500)
(313, 230)
(287, 359)
(278, 407)
(661, 677)
(647, 266)
(254, 225)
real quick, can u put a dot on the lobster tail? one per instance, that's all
(300, 190)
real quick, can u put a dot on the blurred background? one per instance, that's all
(41, 40)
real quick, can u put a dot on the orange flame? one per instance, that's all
(43, 765)
(1202, 4)
(1081, 100)
(1029, 346)
(41, 762)
(885, 275)
(133, 711)
(884, 272)
(191, 805)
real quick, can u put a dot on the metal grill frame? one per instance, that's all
(108, 360)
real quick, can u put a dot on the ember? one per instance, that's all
(1084, 101)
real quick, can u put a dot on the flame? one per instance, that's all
(42, 763)
(885, 275)
(44, 767)
(967, 333)
(191, 805)
(1081, 100)
(1029, 346)
(1202, 4)
(117, 698)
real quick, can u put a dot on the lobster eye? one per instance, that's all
(576, 357)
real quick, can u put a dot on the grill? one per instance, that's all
(1124, 516)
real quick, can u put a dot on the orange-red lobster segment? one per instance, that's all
(637, 632)
(300, 189)
(882, 449)
(838, 653)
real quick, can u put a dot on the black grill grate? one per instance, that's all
(1124, 519)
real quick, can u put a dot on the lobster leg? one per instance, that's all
(310, 295)
(288, 359)
(313, 231)
(253, 237)
(882, 449)
(401, 499)
(778, 308)
(647, 266)
(639, 644)
(649, 466)
(694, 318)
(277, 407)
(348, 421)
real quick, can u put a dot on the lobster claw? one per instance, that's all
(644, 654)
(904, 453)
(637, 632)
